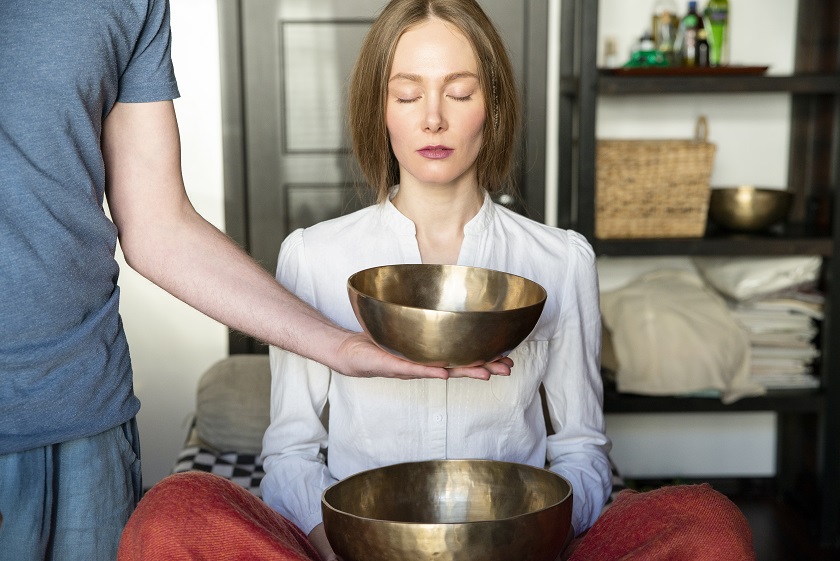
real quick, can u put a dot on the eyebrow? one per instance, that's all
(417, 78)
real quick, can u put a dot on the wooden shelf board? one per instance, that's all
(716, 245)
(640, 85)
(775, 400)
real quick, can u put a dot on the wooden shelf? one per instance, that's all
(799, 401)
(807, 436)
(609, 84)
(718, 245)
(640, 85)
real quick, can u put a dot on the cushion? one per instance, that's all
(232, 409)
(618, 272)
(745, 278)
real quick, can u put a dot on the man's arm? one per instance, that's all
(167, 241)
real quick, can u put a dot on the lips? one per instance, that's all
(435, 152)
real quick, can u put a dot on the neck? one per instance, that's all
(439, 214)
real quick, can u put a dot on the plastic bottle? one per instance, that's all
(611, 53)
(716, 17)
(646, 55)
(686, 43)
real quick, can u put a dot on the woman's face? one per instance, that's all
(435, 107)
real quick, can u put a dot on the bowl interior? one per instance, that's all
(447, 492)
(447, 288)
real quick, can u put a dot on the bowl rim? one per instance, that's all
(538, 302)
(734, 188)
(566, 497)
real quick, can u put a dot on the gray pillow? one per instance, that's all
(232, 410)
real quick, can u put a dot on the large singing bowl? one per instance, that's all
(747, 208)
(449, 510)
(445, 315)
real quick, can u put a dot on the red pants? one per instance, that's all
(197, 516)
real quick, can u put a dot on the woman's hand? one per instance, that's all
(318, 537)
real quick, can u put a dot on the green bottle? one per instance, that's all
(686, 43)
(717, 25)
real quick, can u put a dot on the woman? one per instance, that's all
(434, 117)
(427, 115)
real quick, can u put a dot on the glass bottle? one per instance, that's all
(701, 54)
(686, 43)
(664, 27)
(716, 15)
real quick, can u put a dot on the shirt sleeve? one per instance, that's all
(294, 444)
(574, 390)
(149, 75)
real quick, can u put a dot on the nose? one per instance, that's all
(434, 118)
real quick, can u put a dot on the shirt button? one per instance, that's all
(438, 418)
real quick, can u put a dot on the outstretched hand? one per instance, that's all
(363, 359)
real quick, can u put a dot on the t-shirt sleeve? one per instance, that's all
(149, 75)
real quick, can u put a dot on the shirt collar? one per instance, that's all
(482, 220)
(401, 224)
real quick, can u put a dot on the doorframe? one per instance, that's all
(234, 144)
(532, 173)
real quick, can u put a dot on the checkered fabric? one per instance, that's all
(245, 470)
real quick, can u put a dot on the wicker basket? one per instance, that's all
(653, 188)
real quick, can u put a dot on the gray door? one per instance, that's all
(285, 68)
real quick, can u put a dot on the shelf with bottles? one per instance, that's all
(693, 39)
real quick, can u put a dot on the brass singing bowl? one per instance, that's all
(445, 315)
(747, 208)
(449, 510)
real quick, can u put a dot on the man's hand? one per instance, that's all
(363, 359)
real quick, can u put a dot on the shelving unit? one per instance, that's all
(808, 470)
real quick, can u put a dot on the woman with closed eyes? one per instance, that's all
(434, 120)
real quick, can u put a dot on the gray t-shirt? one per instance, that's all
(65, 371)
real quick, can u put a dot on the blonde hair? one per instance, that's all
(369, 89)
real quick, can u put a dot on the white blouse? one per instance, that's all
(379, 421)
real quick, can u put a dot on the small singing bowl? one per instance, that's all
(449, 510)
(747, 208)
(445, 315)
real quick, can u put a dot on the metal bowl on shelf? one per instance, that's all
(449, 510)
(747, 208)
(445, 315)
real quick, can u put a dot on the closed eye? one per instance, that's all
(462, 98)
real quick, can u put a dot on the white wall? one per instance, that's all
(172, 344)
